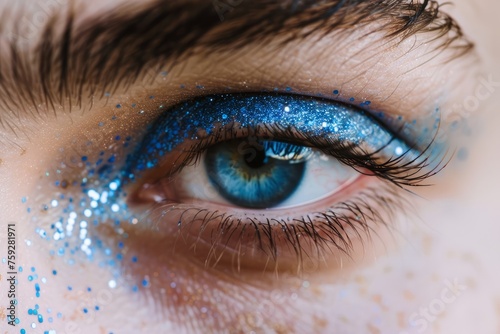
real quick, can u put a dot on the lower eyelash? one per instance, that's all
(311, 237)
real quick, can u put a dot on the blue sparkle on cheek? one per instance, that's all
(462, 154)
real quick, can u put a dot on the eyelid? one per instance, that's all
(383, 153)
(185, 121)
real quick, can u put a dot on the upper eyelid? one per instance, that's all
(75, 43)
(262, 115)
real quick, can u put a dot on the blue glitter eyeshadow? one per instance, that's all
(318, 117)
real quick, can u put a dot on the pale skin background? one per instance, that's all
(454, 238)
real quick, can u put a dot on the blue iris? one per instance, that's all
(255, 175)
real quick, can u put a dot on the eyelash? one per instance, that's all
(320, 230)
(397, 171)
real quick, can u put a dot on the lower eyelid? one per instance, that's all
(231, 234)
(192, 185)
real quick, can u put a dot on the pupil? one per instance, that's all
(256, 159)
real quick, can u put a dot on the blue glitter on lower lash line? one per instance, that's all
(319, 117)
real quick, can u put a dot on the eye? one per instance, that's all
(256, 174)
(268, 178)
(264, 174)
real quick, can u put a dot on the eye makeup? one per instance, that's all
(374, 144)
(348, 134)
(312, 117)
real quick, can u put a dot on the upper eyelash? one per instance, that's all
(401, 171)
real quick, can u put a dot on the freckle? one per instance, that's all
(427, 245)
(317, 292)
(319, 324)
(402, 320)
(344, 320)
(377, 299)
(281, 329)
(468, 257)
(410, 275)
(497, 310)
(387, 270)
(360, 279)
(408, 295)
(372, 329)
(470, 283)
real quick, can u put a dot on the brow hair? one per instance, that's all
(116, 48)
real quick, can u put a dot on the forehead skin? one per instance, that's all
(463, 245)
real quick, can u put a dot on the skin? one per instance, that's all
(435, 268)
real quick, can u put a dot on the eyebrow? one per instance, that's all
(119, 47)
